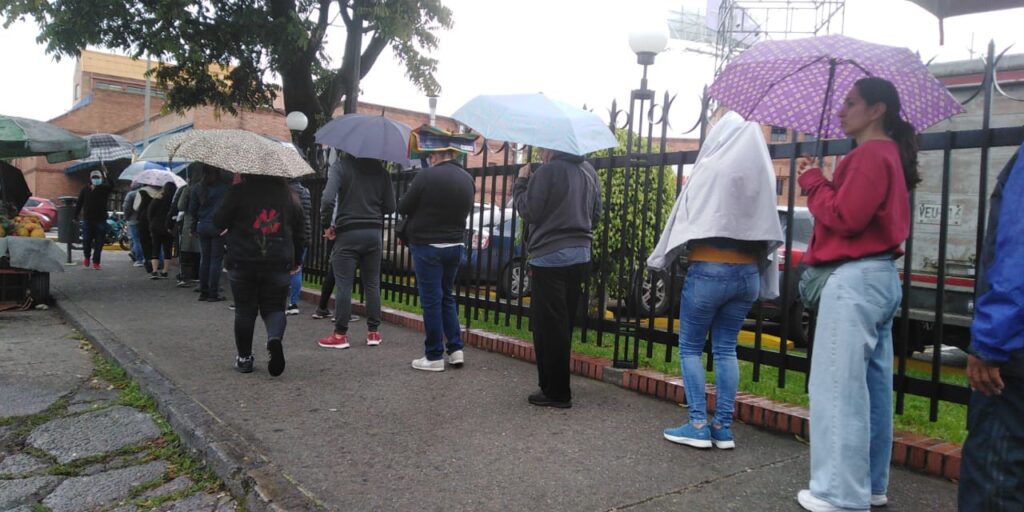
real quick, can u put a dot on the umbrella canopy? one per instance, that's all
(27, 137)
(157, 178)
(238, 151)
(537, 120)
(367, 136)
(13, 188)
(156, 151)
(800, 84)
(949, 8)
(133, 170)
(104, 147)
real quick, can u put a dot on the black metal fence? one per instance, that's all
(635, 312)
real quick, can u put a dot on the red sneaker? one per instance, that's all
(373, 338)
(96, 266)
(85, 262)
(334, 341)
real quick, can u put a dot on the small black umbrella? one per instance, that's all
(13, 189)
(368, 136)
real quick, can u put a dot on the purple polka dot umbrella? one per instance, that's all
(800, 84)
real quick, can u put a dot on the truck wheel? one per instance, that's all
(799, 324)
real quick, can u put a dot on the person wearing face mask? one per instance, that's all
(92, 207)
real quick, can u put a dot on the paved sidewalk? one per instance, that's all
(360, 430)
(67, 444)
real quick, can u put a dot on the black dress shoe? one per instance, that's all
(215, 299)
(541, 400)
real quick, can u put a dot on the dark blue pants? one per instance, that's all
(93, 236)
(992, 460)
(211, 263)
(258, 293)
(436, 269)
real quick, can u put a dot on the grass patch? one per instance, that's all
(952, 418)
(168, 446)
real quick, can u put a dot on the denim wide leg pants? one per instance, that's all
(851, 383)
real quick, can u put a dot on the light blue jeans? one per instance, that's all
(716, 297)
(295, 287)
(851, 383)
(137, 254)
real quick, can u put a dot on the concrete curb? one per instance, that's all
(928, 455)
(249, 475)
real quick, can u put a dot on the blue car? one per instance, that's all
(495, 256)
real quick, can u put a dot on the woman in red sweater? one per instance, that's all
(862, 217)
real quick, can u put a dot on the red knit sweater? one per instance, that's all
(864, 210)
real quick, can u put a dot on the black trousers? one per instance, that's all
(327, 287)
(555, 296)
(258, 293)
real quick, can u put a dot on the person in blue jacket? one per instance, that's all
(992, 461)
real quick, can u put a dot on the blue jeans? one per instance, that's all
(992, 464)
(851, 383)
(137, 253)
(211, 263)
(296, 286)
(93, 236)
(435, 279)
(716, 297)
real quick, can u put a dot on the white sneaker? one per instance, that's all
(455, 358)
(879, 500)
(428, 366)
(293, 309)
(815, 504)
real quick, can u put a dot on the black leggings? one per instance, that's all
(259, 293)
(163, 241)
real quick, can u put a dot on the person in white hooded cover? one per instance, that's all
(725, 220)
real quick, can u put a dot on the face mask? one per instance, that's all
(97, 181)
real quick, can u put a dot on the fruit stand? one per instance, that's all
(26, 260)
(26, 256)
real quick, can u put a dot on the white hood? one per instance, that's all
(731, 194)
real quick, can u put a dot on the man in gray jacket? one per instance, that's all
(362, 188)
(561, 204)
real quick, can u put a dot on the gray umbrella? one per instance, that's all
(104, 147)
(367, 136)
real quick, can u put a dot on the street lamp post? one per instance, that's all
(646, 43)
(297, 122)
(432, 102)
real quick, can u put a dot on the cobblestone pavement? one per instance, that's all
(75, 436)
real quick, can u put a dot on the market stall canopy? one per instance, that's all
(943, 9)
(20, 137)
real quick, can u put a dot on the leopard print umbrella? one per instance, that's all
(238, 151)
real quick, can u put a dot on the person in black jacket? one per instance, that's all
(265, 230)
(307, 206)
(161, 230)
(92, 206)
(561, 203)
(362, 189)
(438, 201)
(205, 199)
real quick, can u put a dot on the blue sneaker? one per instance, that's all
(721, 437)
(690, 435)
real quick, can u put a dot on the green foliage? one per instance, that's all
(246, 42)
(632, 221)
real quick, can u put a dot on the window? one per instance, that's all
(779, 134)
(780, 186)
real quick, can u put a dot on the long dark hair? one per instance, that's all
(876, 90)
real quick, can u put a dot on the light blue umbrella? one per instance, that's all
(537, 120)
(134, 169)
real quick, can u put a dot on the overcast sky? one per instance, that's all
(574, 50)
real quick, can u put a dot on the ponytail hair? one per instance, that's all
(876, 90)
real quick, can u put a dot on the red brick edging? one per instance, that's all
(925, 454)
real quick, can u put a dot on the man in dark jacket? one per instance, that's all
(362, 189)
(92, 207)
(561, 203)
(436, 205)
(992, 465)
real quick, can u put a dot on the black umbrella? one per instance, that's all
(13, 189)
